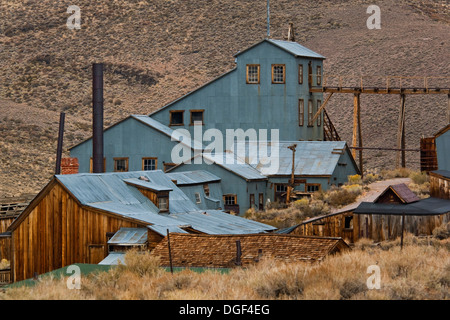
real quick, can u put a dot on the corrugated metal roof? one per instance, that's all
(293, 48)
(296, 49)
(114, 258)
(193, 177)
(110, 192)
(428, 206)
(129, 236)
(186, 140)
(219, 222)
(162, 230)
(146, 184)
(232, 163)
(311, 157)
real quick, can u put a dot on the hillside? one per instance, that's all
(155, 51)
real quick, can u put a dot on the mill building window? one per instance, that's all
(120, 164)
(301, 112)
(196, 116)
(278, 73)
(176, 117)
(149, 163)
(252, 74)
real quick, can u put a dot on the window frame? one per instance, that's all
(319, 117)
(149, 158)
(318, 185)
(191, 123)
(310, 113)
(234, 196)
(300, 73)
(171, 118)
(247, 81)
(166, 199)
(284, 73)
(126, 164)
(319, 75)
(301, 112)
(206, 189)
(198, 198)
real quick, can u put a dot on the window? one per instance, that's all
(149, 163)
(206, 189)
(278, 73)
(319, 117)
(310, 113)
(281, 188)
(319, 75)
(198, 199)
(252, 200)
(301, 112)
(252, 73)
(348, 222)
(163, 204)
(196, 116)
(120, 164)
(300, 74)
(176, 117)
(313, 187)
(230, 199)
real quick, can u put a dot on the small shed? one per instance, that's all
(227, 251)
(440, 184)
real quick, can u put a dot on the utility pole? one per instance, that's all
(291, 185)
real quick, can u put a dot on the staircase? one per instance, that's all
(329, 131)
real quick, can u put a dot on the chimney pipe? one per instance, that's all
(60, 143)
(97, 118)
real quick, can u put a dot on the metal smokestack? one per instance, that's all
(97, 118)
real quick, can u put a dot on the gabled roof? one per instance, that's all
(403, 193)
(291, 47)
(158, 126)
(111, 194)
(312, 158)
(219, 251)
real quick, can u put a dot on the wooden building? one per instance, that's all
(227, 251)
(382, 219)
(440, 184)
(72, 219)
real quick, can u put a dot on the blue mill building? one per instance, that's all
(267, 92)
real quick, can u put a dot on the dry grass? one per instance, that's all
(419, 271)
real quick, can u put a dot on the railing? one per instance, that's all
(425, 84)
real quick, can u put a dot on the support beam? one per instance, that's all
(357, 133)
(321, 108)
(401, 155)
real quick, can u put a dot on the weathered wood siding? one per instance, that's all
(439, 187)
(59, 232)
(329, 226)
(389, 227)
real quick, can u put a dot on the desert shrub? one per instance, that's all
(339, 197)
(354, 179)
(141, 263)
(442, 232)
(396, 173)
(419, 177)
(371, 177)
